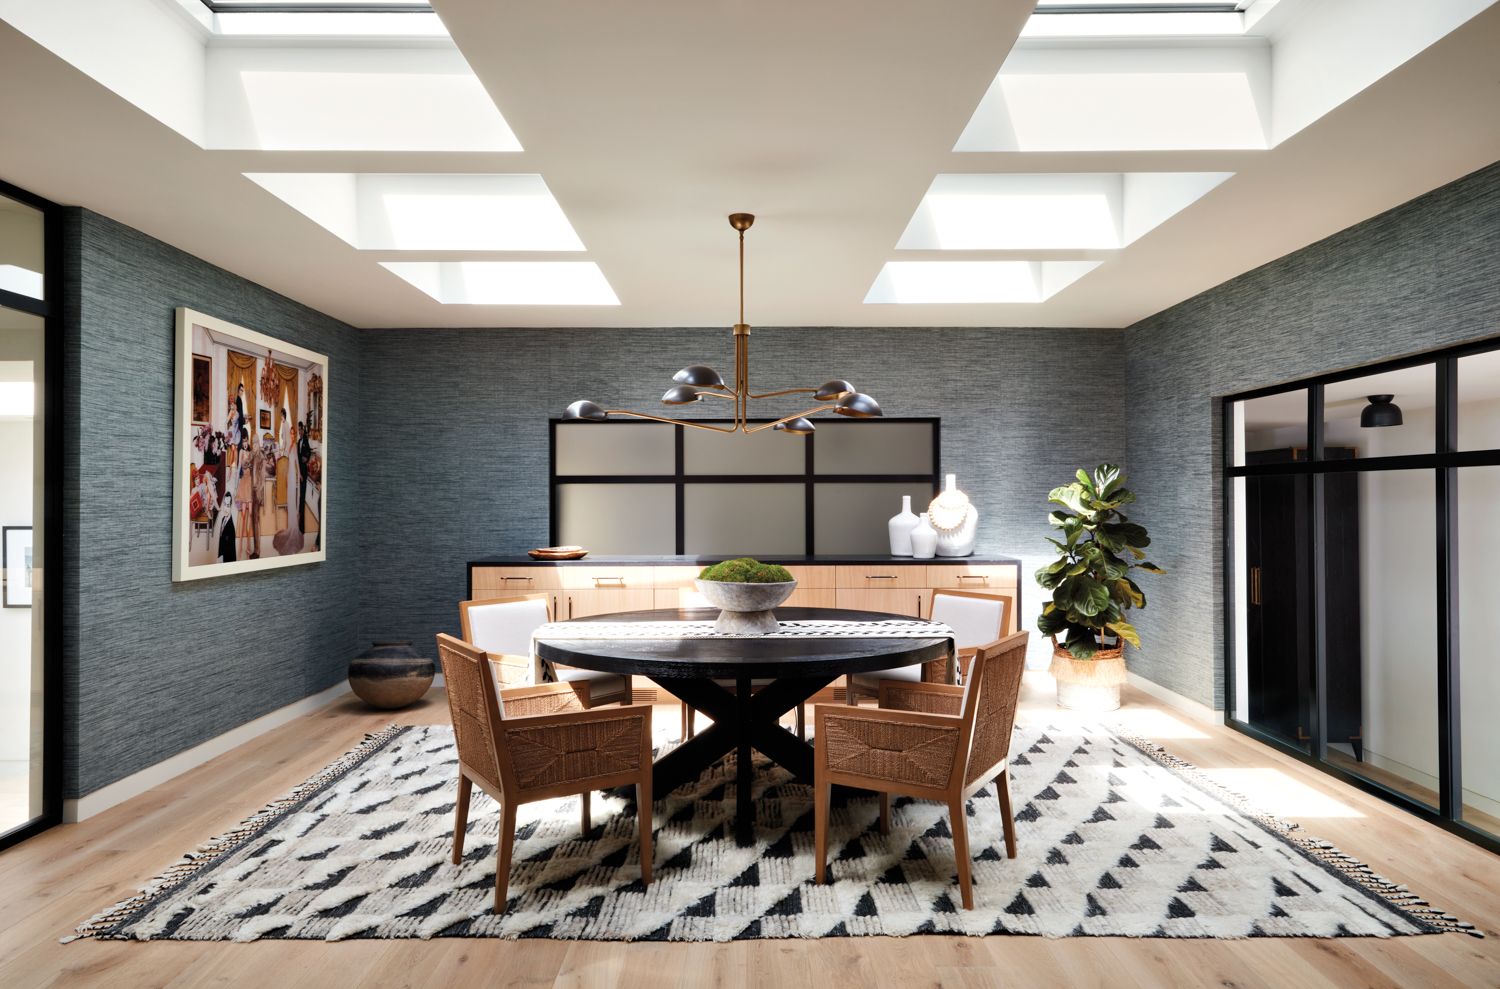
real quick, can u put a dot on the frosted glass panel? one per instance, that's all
(765, 452)
(744, 519)
(618, 519)
(1412, 390)
(1479, 401)
(610, 448)
(851, 518)
(844, 447)
(1479, 652)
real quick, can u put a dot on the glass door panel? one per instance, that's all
(1479, 644)
(1274, 691)
(1381, 628)
(21, 504)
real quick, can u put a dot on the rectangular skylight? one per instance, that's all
(429, 212)
(1049, 211)
(905, 282)
(365, 24)
(508, 283)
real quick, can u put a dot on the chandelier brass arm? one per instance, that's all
(697, 381)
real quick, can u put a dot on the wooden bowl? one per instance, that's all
(559, 553)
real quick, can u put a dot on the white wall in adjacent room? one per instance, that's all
(15, 623)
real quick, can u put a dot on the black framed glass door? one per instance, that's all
(1359, 608)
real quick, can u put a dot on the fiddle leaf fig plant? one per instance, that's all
(1090, 582)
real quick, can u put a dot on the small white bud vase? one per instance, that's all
(901, 527)
(956, 520)
(923, 539)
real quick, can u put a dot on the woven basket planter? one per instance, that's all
(1088, 684)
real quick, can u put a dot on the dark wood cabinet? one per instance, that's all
(1279, 581)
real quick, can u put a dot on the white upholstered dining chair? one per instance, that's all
(503, 629)
(978, 618)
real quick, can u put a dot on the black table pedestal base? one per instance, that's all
(741, 721)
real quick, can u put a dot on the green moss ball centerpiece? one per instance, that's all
(746, 590)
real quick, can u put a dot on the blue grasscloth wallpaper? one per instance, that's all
(1420, 276)
(453, 439)
(150, 667)
(438, 450)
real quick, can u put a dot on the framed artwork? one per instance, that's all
(250, 483)
(203, 376)
(17, 556)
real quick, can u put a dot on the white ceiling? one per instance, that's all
(650, 122)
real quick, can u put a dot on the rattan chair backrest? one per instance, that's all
(475, 707)
(990, 697)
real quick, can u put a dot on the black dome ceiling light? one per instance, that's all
(1380, 412)
(699, 381)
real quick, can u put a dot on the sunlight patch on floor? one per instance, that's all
(1280, 794)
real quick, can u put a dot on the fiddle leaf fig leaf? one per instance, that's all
(1125, 631)
(1153, 568)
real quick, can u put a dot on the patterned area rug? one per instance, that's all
(1116, 838)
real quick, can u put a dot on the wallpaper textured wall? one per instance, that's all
(453, 438)
(151, 667)
(1416, 277)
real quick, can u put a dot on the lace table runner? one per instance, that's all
(891, 628)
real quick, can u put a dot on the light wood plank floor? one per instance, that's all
(56, 880)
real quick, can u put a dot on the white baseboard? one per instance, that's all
(135, 784)
(1172, 698)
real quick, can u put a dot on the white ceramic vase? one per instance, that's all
(901, 527)
(923, 539)
(959, 540)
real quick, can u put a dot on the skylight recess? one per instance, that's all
(1102, 211)
(1125, 99)
(508, 283)
(428, 212)
(907, 282)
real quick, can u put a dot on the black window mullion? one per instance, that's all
(680, 491)
(810, 547)
(1450, 761)
(1318, 605)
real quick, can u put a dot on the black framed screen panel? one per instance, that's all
(1359, 613)
(623, 485)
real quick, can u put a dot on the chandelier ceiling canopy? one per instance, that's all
(699, 381)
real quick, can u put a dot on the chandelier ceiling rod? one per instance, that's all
(698, 381)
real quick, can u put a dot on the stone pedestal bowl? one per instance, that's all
(746, 607)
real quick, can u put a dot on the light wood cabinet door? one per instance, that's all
(514, 580)
(972, 576)
(814, 577)
(674, 578)
(582, 603)
(813, 597)
(881, 576)
(913, 601)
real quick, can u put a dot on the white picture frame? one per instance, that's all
(201, 517)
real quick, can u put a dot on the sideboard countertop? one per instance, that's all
(686, 561)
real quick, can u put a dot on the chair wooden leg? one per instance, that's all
(959, 825)
(821, 796)
(588, 818)
(505, 843)
(802, 722)
(885, 812)
(1002, 787)
(643, 814)
(461, 817)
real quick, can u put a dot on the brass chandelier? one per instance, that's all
(699, 381)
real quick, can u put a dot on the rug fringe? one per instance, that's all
(195, 861)
(1348, 865)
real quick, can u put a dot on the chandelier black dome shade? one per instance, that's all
(698, 381)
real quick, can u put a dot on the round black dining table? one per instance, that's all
(687, 669)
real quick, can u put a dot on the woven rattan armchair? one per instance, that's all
(927, 740)
(978, 618)
(538, 743)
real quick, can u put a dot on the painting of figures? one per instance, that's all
(250, 485)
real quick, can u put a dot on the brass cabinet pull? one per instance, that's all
(880, 576)
(620, 579)
(517, 578)
(974, 576)
(1255, 585)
